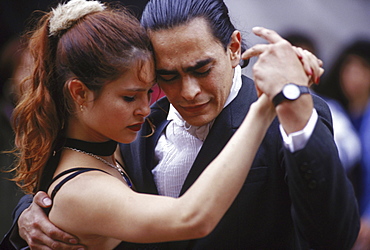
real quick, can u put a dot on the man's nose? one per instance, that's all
(190, 88)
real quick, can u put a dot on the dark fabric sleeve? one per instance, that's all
(12, 240)
(323, 198)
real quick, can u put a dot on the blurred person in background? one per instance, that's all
(348, 82)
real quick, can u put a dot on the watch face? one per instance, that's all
(291, 91)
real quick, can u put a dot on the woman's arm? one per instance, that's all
(105, 206)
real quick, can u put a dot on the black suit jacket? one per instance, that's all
(289, 200)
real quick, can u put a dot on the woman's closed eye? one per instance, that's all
(166, 78)
(132, 98)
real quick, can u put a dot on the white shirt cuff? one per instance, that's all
(298, 140)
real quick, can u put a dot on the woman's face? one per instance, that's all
(120, 109)
(355, 78)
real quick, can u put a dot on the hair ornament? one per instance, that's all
(64, 15)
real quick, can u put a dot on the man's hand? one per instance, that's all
(39, 233)
(280, 63)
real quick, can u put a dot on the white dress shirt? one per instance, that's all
(180, 143)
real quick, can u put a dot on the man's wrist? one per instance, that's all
(297, 140)
(290, 92)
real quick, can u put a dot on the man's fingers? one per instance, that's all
(39, 243)
(53, 235)
(47, 243)
(44, 235)
(37, 240)
(42, 199)
(256, 50)
(36, 228)
(49, 240)
(267, 34)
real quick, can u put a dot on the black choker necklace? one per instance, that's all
(97, 148)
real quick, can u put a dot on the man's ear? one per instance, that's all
(235, 48)
(78, 91)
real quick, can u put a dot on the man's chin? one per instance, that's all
(198, 120)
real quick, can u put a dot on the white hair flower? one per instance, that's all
(65, 14)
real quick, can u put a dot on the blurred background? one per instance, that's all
(330, 25)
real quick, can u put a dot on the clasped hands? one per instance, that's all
(280, 63)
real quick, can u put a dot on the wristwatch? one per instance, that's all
(290, 92)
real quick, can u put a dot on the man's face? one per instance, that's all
(194, 70)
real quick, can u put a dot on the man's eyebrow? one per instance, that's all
(198, 65)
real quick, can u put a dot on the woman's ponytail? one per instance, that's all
(35, 118)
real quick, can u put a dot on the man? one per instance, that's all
(290, 199)
(296, 195)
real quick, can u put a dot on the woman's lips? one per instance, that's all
(135, 127)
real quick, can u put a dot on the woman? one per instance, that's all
(93, 73)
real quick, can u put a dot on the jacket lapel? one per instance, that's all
(223, 128)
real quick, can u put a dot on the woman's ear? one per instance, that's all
(78, 91)
(235, 48)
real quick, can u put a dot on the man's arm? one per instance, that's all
(12, 240)
(32, 227)
(324, 207)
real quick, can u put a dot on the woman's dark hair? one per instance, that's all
(167, 14)
(96, 49)
(330, 86)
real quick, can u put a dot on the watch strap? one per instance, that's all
(280, 96)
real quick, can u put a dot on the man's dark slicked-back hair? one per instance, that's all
(167, 14)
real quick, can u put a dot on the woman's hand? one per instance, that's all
(311, 64)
